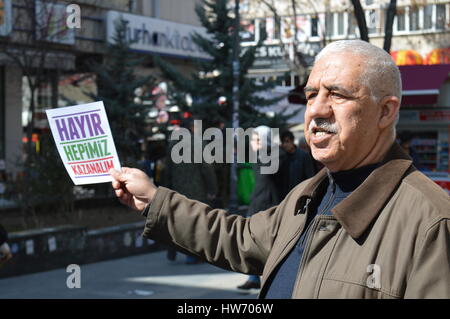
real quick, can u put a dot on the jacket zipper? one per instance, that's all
(328, 204)
(297, 233)
(307, 238)
(305, 251)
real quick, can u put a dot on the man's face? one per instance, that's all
(288, 145)
(341, 119)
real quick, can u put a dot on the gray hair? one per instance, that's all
(264, 134)
(381, 75)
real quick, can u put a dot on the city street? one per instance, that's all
(143, 276)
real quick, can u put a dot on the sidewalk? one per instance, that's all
(143, 276)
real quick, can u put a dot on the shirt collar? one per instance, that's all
(356, 212)
(349, 180)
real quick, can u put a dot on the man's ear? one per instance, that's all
(390, 106)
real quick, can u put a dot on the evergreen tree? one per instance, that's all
(213, 78)
(117, 85)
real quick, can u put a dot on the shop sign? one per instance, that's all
(409, 116)
(269, 52)
(5, 17)
(435, 115)
(51, 20)
(156, 35)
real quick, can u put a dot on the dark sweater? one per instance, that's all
(338, 186)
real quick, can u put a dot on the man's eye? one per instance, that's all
(337, 95)
(311, 96)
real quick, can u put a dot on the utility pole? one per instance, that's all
(233, 204)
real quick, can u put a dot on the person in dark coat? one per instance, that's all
(194, 180)
(265, 193)
(295, 165)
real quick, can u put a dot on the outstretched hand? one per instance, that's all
(133, 187)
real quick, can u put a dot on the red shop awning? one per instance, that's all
(421, 83)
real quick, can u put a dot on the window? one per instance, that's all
(262, 32)
(277, 29)
(428, 17)
(340, 23)
(329, 24)
(401, 19)
(287, 28)
(413, 18)
(287, 80)
(440, 16)
(244, 6)
(314, 26)
(372, 17)
(273, 28)
(155, 9)
(352, 24)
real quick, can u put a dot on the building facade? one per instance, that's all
(420, 47)
(39, 37)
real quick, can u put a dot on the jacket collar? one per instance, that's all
(362, 206)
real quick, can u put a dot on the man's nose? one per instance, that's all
(320, 107)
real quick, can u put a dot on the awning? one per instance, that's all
(438, 56)
(407, 57)
(421, 83)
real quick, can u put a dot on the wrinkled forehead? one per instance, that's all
(341, 69)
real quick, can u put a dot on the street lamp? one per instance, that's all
(233, 204)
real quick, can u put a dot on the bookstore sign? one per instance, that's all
(157, 36)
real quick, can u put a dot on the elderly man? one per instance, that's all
(369, 225)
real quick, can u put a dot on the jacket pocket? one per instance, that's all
(332, 288)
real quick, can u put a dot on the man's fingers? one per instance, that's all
(119, 192)
(117, 175)
(120, 176)
(116, 185)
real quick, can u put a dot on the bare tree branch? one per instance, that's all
(390, 16)
(361, 19)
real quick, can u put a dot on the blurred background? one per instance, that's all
(157, 64)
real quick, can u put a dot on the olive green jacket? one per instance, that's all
(390, 238)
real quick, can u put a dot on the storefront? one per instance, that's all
(425, 115)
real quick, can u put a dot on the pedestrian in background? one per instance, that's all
(194, 180)
(246, 183)
(265, 193)
(404, 139)
(295, 165)
(5, 252)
